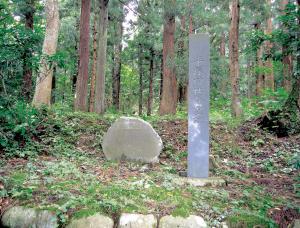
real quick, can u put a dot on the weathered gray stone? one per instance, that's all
(199, 77)
(224, 225)
(137, 221)
(19, 217)
(132, 139)
(199, 182)
(190, 222)
(95, 221)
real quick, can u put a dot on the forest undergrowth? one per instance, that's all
(52, 159)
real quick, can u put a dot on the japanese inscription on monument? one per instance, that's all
(199, 82)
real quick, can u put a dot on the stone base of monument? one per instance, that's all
(199, 182)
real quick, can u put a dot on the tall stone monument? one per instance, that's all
(198, 102)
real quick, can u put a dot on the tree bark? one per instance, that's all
(169, 96)
(27, 68)
(53, 95)
(183, 83)
(287, 59)
(141, 84)
(191, 29)
(151, 76)
(76, 67)
(116, 76)
(269, 76)
(249, 78)
(44, 80)
(222, 50)
(234, 58)
(81, 95)
(94, 67)
(260, 78)
(101, 58)
(222, 44)
(291, 109)
(161, 77)
(287, 62)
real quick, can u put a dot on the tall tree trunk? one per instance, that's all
(287, 59)
(94, 67)
(269, 76)
(161, 77)
(76, 68)
(169, 96)
(151, 76)
(141, 72)
(291, 109)
(77, 63)
(182, 84)
(116, 76)
(234, 57)
(249, 78)
(27, 69)
(43, 87)
(81, 95)
(101, 58)
(260, 78)
(287, 62)
(191, 28)
(222, 44)
(293, 102)
(53, 95)
(224, 81)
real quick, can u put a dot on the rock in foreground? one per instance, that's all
(132, 139)
(17, 217)
(95, 221)
(190, 222)
(137, 221)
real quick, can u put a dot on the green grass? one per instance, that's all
(249, 220)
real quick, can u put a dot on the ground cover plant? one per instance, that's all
(68, 173)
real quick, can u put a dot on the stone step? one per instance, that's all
(95, 221)
(21, 217)
(179, 222)
(137, 221)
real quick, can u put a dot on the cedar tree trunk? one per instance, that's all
(43, 87)
(81, 95)
(169, 96)
(101, 58)
(116, 76)
(94, 67)
(234, 57)
(27, 69)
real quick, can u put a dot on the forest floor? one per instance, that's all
(71, 176)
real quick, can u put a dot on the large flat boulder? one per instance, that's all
(19, 217)
(179, 222)
(133, 139)
(137, 221)
(95, 221)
